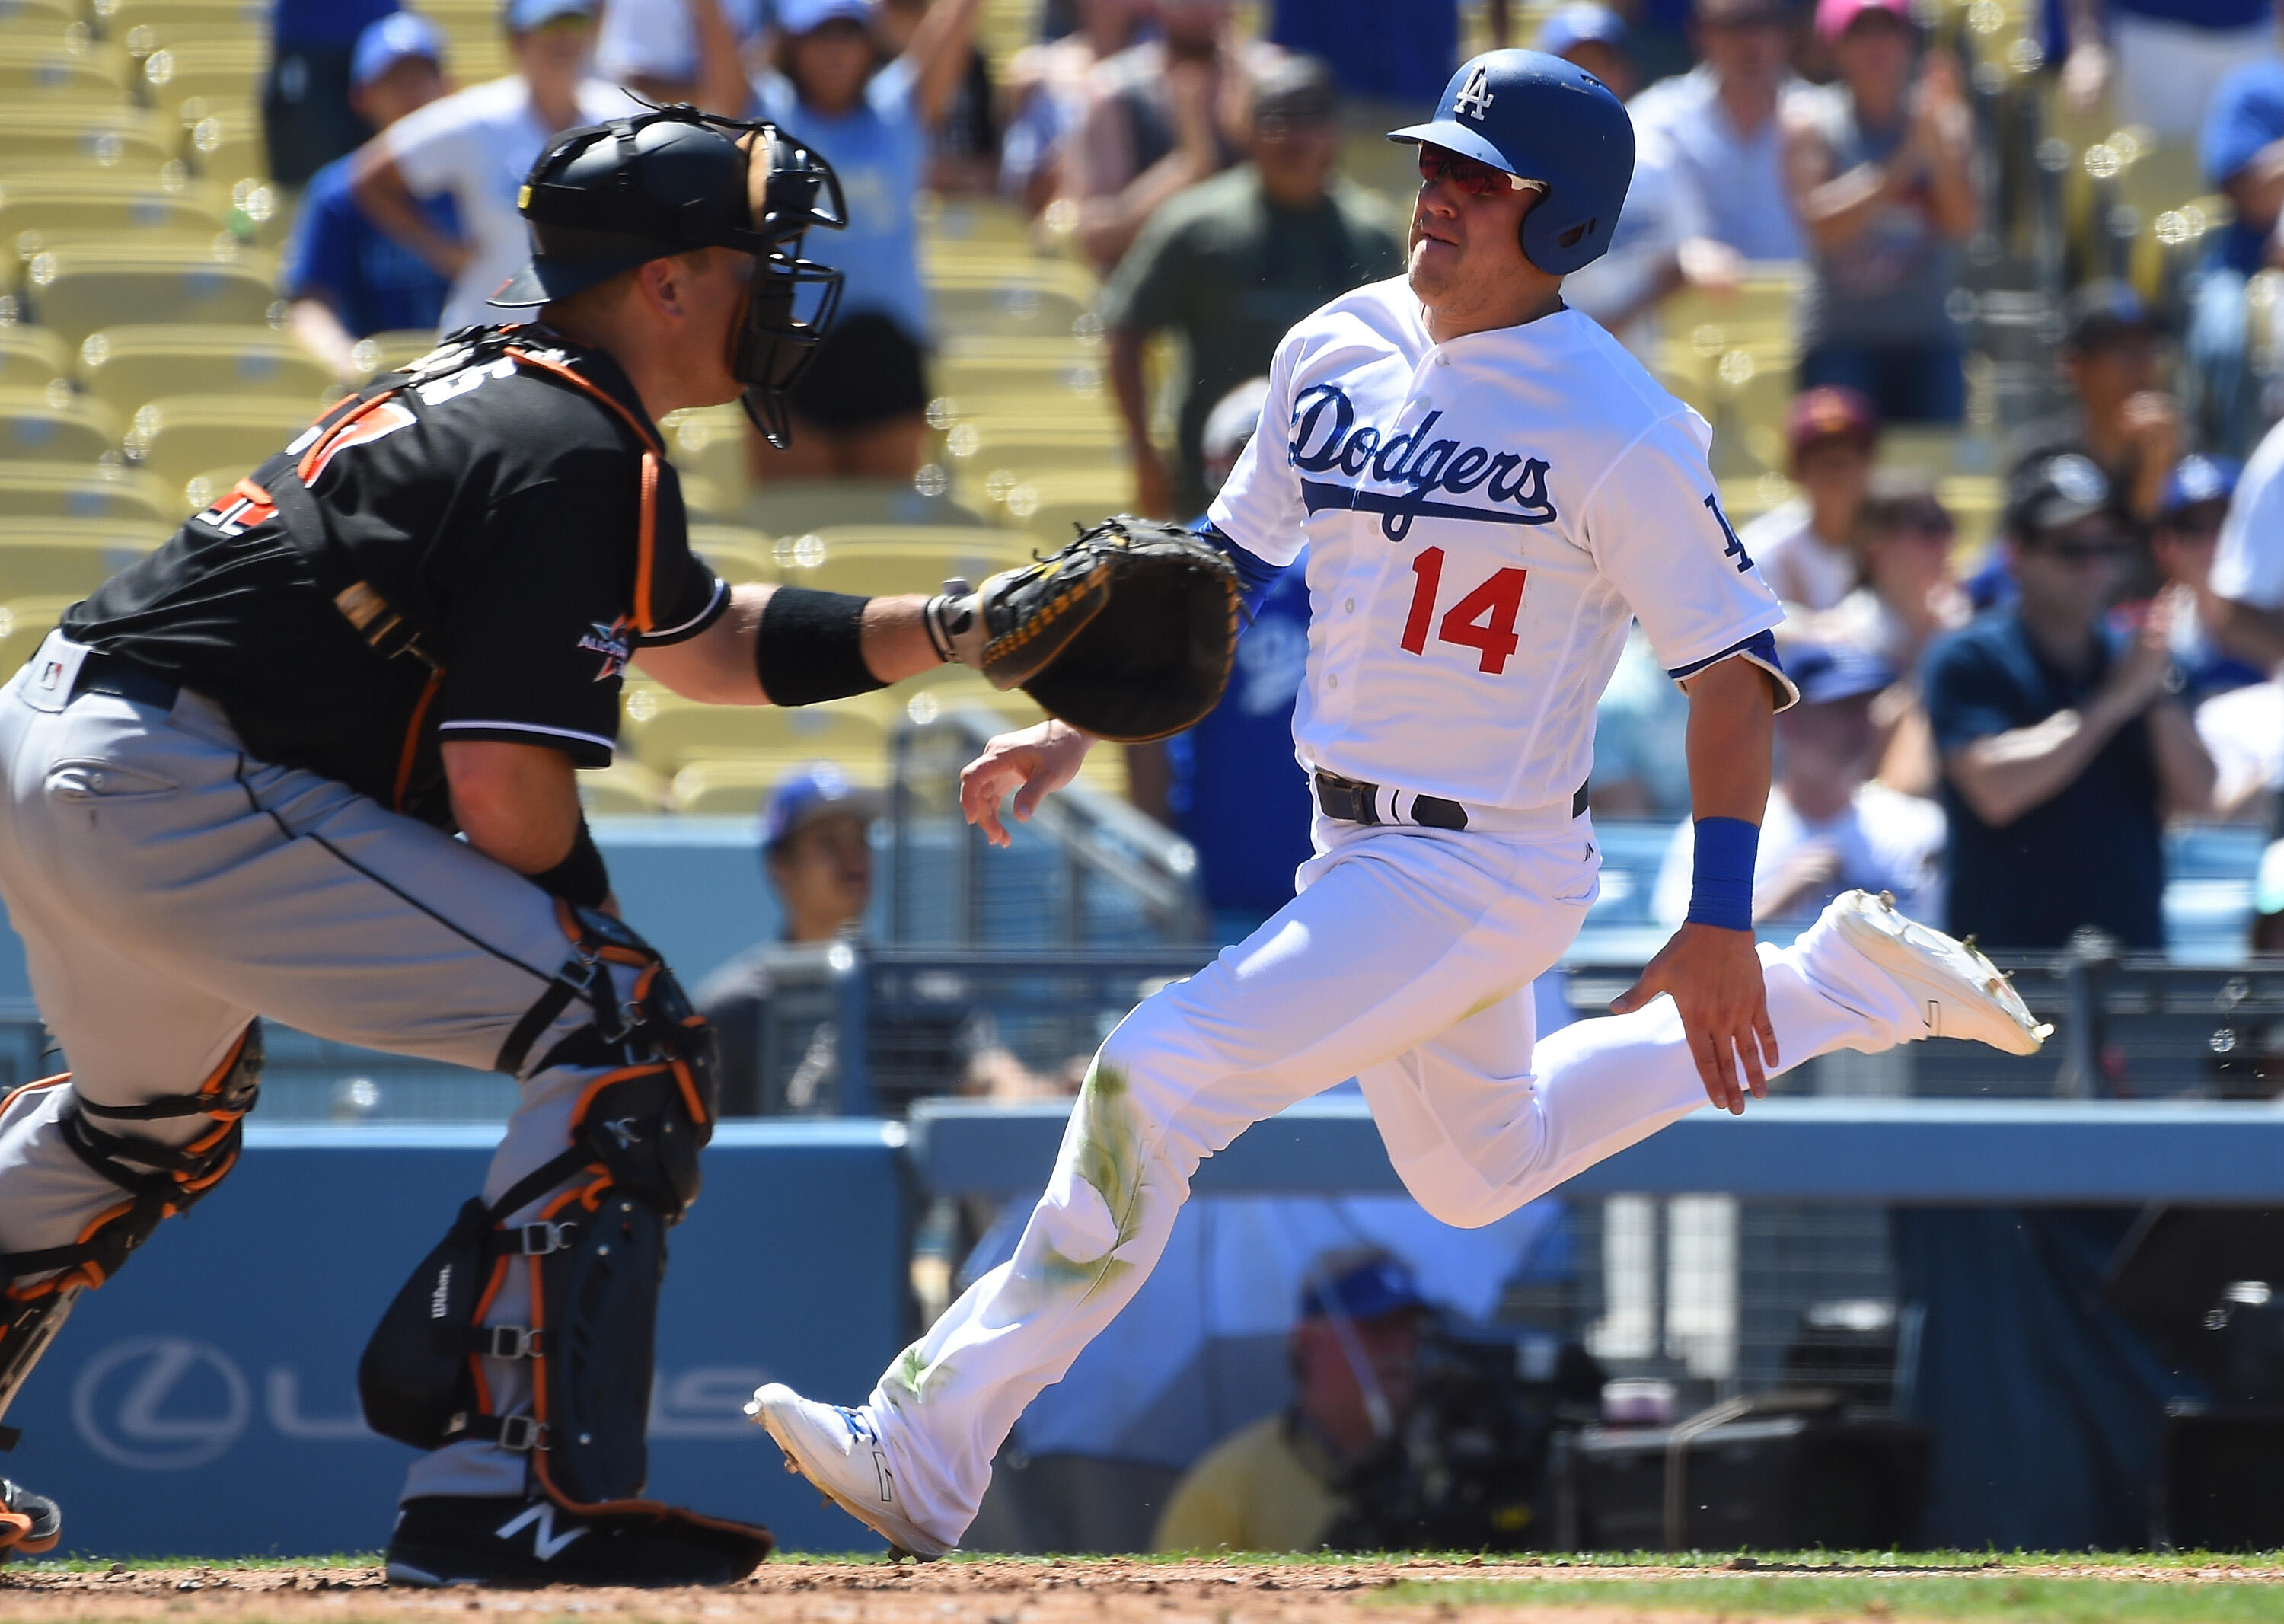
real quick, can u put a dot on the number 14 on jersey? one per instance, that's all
(1482, 620)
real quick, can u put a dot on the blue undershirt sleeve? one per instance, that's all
(1255, 573)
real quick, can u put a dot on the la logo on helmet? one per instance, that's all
(1474, 97)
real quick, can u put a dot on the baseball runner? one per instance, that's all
(1489, 488)
(230, 783)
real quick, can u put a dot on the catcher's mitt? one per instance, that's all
(1126, 633)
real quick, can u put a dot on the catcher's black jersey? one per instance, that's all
(499, 508)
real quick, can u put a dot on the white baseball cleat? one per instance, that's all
(839, 1450)
(1960, 993)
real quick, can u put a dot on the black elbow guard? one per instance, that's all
(812, 647)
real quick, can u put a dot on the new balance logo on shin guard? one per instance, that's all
(540, 1517)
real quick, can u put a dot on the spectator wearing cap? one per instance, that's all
(344, 276)
(1721, 126)
(309, 118)
(2120, 418)
(1277, 1484)
(1828, 828)
(817, 854)
(1661, 243)
(860, 410)
(1877, 163)
(1227, 785)
(2184, 543)
(1806, 547)
(1042, 97)
(2241, 151)
(1234, 263)
(679, 51)
(478, 146)
(1161, 115)
(2064, 747)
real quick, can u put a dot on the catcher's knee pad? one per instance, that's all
(595, 1253)
(157, 1180)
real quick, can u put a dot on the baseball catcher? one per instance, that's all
(234, 774)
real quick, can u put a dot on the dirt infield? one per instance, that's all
(1112, 1590)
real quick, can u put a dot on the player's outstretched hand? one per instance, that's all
(1714, 976)
(1034, 764)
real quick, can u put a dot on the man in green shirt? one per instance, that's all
(1232, 264)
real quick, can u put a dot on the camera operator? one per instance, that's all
(1279, 1485)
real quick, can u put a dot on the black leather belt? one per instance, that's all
(124, 679)
(1353, 801)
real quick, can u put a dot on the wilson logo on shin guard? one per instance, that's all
(440, 1301)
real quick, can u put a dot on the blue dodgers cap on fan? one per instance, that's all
(1365, 1290)
(1828, 673)
(818, 790)
(1579, 25)
(805, 16)
(522, 16)
(390, 41)
(2198, 479)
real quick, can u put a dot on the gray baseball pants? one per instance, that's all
(169, 888)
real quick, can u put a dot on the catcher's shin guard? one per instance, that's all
(595, 1254)
(37, 1288)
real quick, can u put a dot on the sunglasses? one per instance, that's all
(1470, 175)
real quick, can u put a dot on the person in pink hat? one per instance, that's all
(1877, 163)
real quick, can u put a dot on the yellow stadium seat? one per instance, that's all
(38, 17)
(622, 789)
(119, 139)
(78, 290)
(668, 733)
(65, 72)
(988, 304)
(1936, 449)
(219, 73)
(183, 435)
(736, 552)
(50, 556)
(251, 18)
(24, 623)
(226, 145)
(891, 560)
(31, 357)
(736, 786)
(966, 221)
(792, 507)
(1003, 459)
(1973, 502)
(380, 352)
(45, 211)
(69, 491)
(124, 367)
(1048, 504)
(710, 442)
(52, 426)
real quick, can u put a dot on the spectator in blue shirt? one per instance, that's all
(2243, 151)
(860, 410)
(1229, 786)
(2063, 745)
(344, 276)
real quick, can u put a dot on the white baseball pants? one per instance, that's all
(1406, 963)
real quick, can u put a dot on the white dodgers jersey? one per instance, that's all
(1483, 520)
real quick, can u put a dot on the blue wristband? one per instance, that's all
(1721, 875)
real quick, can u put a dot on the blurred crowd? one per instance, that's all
(1999, 731)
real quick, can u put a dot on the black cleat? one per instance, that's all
(517, 1543)
(29, 1523)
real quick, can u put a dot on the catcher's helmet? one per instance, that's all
(1537, 117)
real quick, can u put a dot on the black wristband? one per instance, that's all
(580, 879)
(812, 647)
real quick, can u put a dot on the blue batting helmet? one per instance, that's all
(1537, 117)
